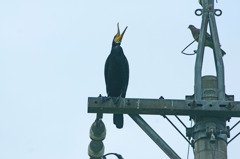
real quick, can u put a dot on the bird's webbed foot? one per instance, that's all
(116, 100)
(103, 98)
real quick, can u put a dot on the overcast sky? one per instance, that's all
(52, 55)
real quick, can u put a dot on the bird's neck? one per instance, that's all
(115, 44)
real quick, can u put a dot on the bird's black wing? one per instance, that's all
(116, 73)
(106, 67)
(126, 77)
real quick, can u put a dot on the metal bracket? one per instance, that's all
(199, 12)
(208, 16)
(209, 130)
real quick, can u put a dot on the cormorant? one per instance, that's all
(208, 41)
(117, 74)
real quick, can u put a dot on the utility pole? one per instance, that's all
(209, 106)
(209, 133)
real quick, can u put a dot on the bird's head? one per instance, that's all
(191, 26)
(118, 37)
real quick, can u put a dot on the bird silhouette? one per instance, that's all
(208, 40)
(117, 74)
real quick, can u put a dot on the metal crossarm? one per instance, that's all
(165, 107)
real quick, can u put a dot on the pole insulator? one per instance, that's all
(96, 149)
(98, 130)
(97, 134)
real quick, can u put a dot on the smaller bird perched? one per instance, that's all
(208, 40)
(117, 74)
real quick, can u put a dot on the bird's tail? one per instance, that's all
(118, 120)
(223, 52)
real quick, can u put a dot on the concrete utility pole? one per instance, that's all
(209, 133)
(209, 106)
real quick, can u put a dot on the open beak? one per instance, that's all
(119, 36)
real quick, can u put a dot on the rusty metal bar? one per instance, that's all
(155, 137)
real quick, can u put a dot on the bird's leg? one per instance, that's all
(103, 98)
(116, 100)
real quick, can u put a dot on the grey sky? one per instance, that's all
(52, 58)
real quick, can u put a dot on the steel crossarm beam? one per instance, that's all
(165, 107)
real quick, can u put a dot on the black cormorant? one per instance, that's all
(117, 74)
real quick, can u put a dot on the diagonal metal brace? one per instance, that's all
(154, 136)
